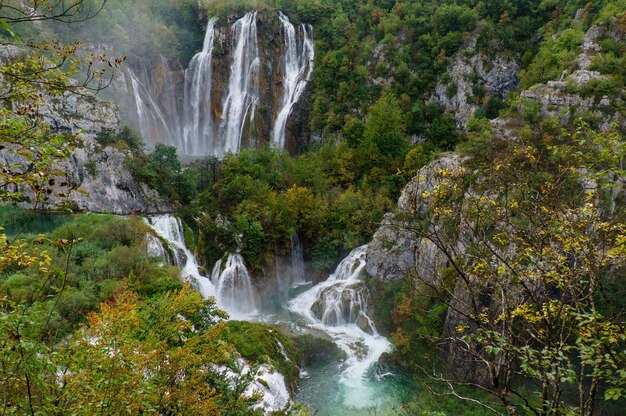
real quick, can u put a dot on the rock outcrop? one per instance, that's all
(396, 249)
(106, 185)
(97, 177)
(472, 78)
(567, 98)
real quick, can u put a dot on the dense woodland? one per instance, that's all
(85, 315)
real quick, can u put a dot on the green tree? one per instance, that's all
(384, 127)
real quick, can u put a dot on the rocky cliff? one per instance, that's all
(472, 79)
(582, 91)
(97, 175)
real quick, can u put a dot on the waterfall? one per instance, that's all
(150, 119)
(171, 105)
(196, 113)
(154, 248)
(338, 306)
(243, 85)
(297, 262)
(198, 132)
(170, 229)
(234, 289)
(297, 68)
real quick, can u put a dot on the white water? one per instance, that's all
(150, 119)
(297, 68)
(243, 86)
(234, 289)
(198, 128)
(155, 247)
(298, 276)
(267, 381)
(170, 228)
(338, 308)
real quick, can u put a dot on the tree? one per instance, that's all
(533, 239)
(30, 153)
(384, 127)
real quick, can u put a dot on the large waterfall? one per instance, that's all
(170, 229)
(298, 65)
(338, 306)
(198, 128)
(236, 92)
(235, 292)
(243, 86)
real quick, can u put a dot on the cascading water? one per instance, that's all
(170, 229)
(243, 86)
(297, 68)
(150, 119)
(198, 131)
(199, 115)
(234, 289)
(338, 307)
(297, 262)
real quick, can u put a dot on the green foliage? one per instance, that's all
(126, 138)
(161, 170)
(384, 127)
(256, 200)
(258, 343)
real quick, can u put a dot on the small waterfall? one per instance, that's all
(150, 119)
(234, 289)
(154, 248)
(338, 306)
(243, 86)
(198, 132)
(170, 229)
(170, 102)
(297, 68)
(297, 262)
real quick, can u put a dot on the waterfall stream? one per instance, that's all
(298, 277)
(337, 307)
(243, 86)
(298, 65)
(150, 119)
(235, 291)
(201, 116)
(170, 229)
(198, 129)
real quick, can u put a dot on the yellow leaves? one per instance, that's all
(17, 254)
(480, 269)
(461, 329)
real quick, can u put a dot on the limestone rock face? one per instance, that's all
(80, 113)
(472, 70)
(106, 185)
(103, 183)
(396, 249)
(563, 99)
